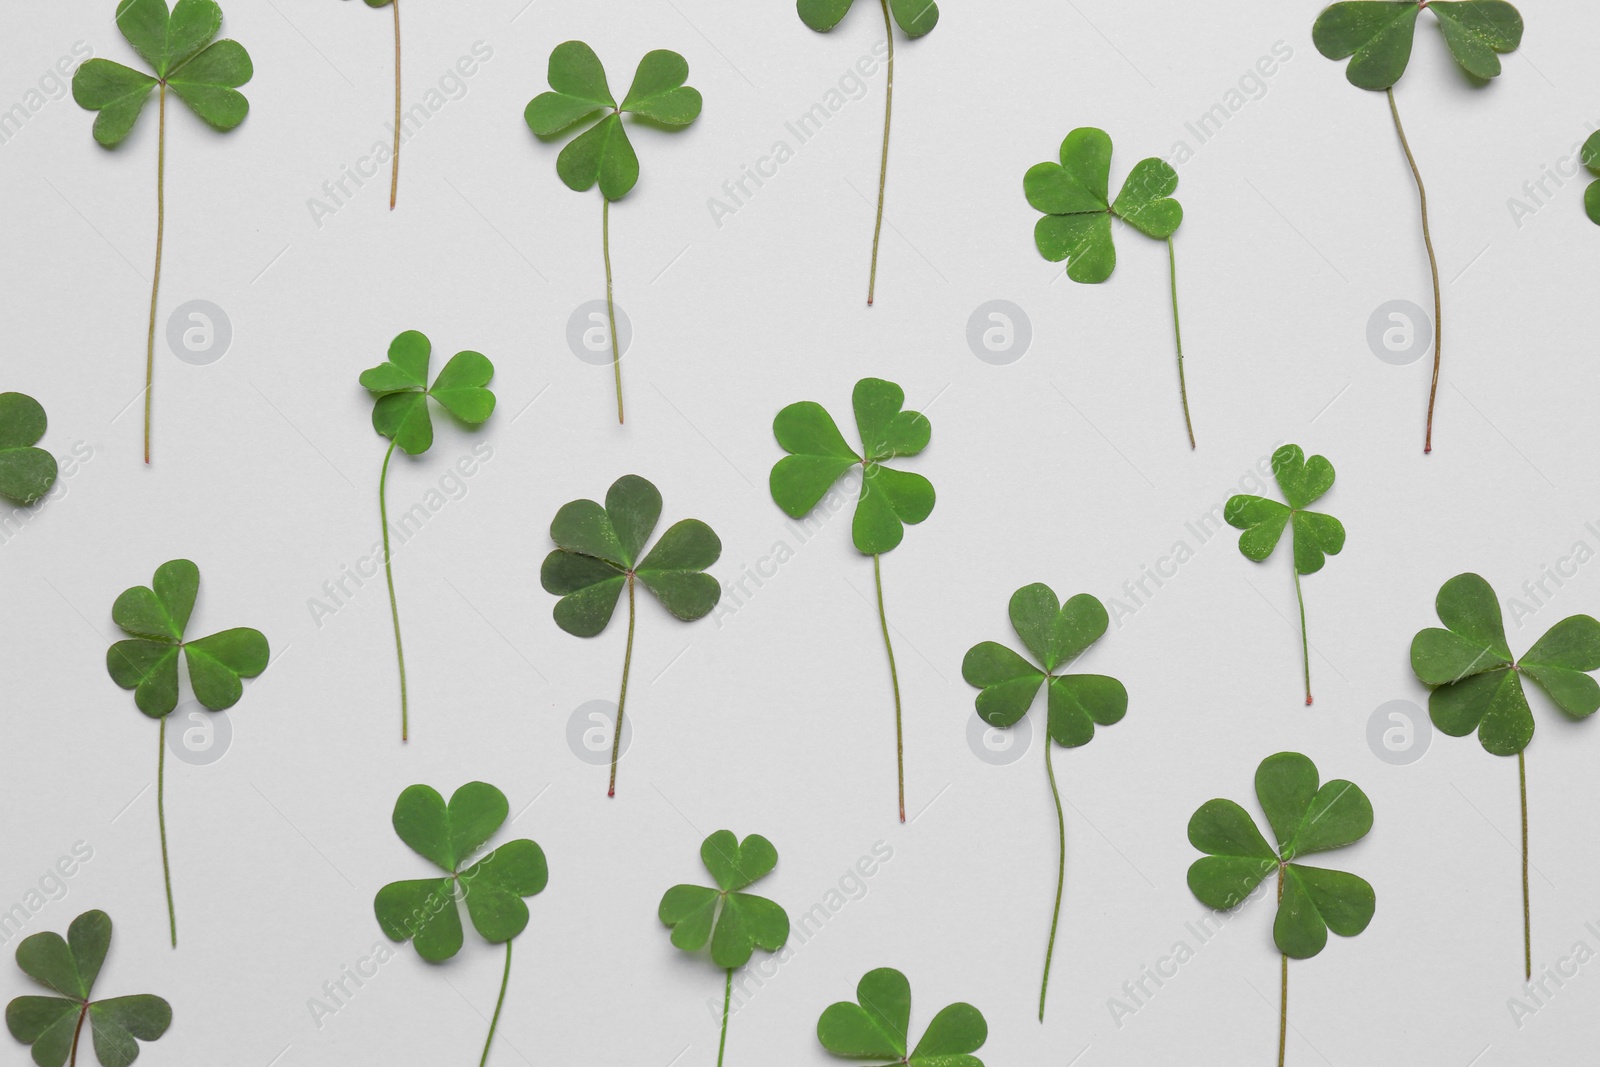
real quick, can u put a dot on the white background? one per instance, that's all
(1067, 467)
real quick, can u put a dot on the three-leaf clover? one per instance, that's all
(1476, 683)
(53, 1025)
(876, 1026)
(26, 472)
(1305, 818)
(1316, 536)
(1056, 634)
(603, 155)
(1376, 36)
(916, 18)
(734, 923)
(600, 550)
(180, 48)
(1075, 196)
(400, 413)
(156, 618)
(819, 457)
(424, 911)
(394, 168)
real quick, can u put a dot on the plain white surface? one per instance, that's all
(1067, 467)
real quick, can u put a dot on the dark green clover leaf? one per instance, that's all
(1056, 634)
(1591, 159)
(1376, 36)
(1305, 819)
(600, 550)
(400, 413)
(915, 17)
(819, 456)
(876, 1026)
(1316, 536)
(26, 472)
(52, 1025)
(1477, 684)
(733, 922)
(1074, 195)
(156, 617)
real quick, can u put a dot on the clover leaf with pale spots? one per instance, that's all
(26, 472)
(877, 1026)
(1376, 36)
(1315, 536)
(1305, 818)
(69, 967)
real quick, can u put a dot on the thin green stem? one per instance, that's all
(1527, 918)
(77, 1032)
(1433, 266)
(883, 166)
(1061, 872)
(1177, 334)
(622, 698)
(394, 167)
(394, 606)
(894, 680)
(1305, 644)
(161, 821)
(505, 980)
(611, 307)
(155, 281)
(1283, 987)
(727, 999)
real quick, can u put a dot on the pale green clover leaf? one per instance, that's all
(401, 387)
(819, 456)
(179, 47)
(733, 922)
(156, 617)
(69, 968)
(1376, 36)
(876, 1026)
(1075, 198)
(1304, 819)
(603, 154)
(1055, 633)
(424, 911)
(1302, 481)
(1477, 684)
(915, 17)
(26, 472)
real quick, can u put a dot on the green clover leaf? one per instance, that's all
(1590, 156)
(734, 923)
(600, 550)
(69, 967)
(155, 617)
(1056, 634)
(915, 17)
(1476, 683)
(26, 472)
(1305, 819)
(1376, 36)
(1316, 536)
(1074, 195)
(876, 1026)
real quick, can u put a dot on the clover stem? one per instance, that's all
(1305, 644)
(622, 698)
(1527, 919)
(394, 606)
(394, 167)
(727, 999)
(161, 821)
(1433, 266)
(77, 1032)
(1283, 987)
(1061, 872)
(611, 307)
(505, 980)
(894, 680)
(1177, 334)
(155, 281)
(883, 166)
